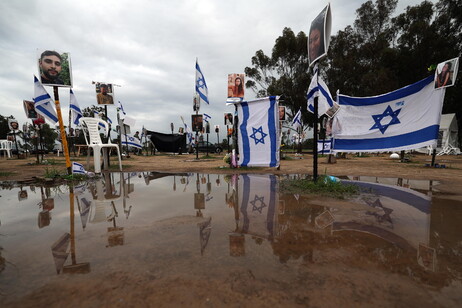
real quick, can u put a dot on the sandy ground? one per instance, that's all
(371, 165)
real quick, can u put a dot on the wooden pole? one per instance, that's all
(63, 132)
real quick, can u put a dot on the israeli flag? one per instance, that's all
(206, 117)
(131, 141)
(258, 137)
(297, 121)
(78, 168)
(405, 119)
(324, 146)
(258, 202)
(43, 102)
(75, 108)
(121, 108)
(201, 86)
(319, 89)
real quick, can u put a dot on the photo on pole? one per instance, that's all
(54, 68)
(446, 73)
(319, 35)
(104, 93)
(13, 124)
(29, 109)
(197, 122)
(236, 85)
(228, 118)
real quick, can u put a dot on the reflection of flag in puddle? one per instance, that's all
(59, 251)
(398, 215)
(84, 209)
(205, 228)
(257, 198)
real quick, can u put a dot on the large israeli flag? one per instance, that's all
(201, 86)
(258, 137)
(319, 89)
(75, 108)
(405, 119)
(43, 102)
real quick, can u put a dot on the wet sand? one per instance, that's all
(335, 276)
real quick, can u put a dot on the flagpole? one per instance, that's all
(315, 131)
(63, 133)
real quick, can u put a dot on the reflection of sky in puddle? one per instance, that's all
(180, 224)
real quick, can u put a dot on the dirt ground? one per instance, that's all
(332, 284)
(369, 165)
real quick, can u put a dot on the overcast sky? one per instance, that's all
(149, 48)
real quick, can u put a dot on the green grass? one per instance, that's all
(52, 173)
(6, 173)
(321, 187)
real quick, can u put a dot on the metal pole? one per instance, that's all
(63, 133)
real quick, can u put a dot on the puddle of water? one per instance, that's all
(237, 230)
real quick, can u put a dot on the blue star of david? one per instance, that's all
(201, 82)
(378, 118)
(261, 201)
(262, 138)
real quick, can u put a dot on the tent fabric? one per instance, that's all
(168, 142)
(449, 129)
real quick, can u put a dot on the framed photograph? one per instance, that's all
(319, 35)
(13, 124)
(54, 68)
(104, 93)
(228, 119)
(446, 73)
(29, 109)
(197, 122)
(282, 113)
(236, 85)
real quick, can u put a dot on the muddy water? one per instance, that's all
(156, 239)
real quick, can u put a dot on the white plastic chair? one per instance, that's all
(6, 146)
(91, 128)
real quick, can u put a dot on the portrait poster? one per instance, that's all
(228, 118)
(446, 73)
(236, 84)
(282, 113)
(319, 35)
(104, 93)
(197, 122)
(13, 124)
(29, 109)
(54, 68)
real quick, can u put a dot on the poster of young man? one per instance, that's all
(446, 73)
(319, 35)
(236, 85)
(197, 122)
(104, 93)
(13, 124)
(29, 109)
(54, 68)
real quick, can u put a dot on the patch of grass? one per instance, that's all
(74, 177)
(323, 187)
(6, 173)
(52, 173)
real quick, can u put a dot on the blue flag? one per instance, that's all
(201, 86)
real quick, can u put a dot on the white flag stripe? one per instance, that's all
(43, 102)
(258, 136)
(405, 119)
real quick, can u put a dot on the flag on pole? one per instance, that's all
(131, 141)
(405, 119)
(43, 102)
(319, 89)
(258, 137)
(121, 108)
(324, 146)
(75, 108)
(206, 117)
(297, 121)
(201, 87)
(188, 132)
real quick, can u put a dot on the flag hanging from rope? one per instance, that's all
(201, 87)
(43, 103)
(75, 108)
(405, 119)
(258, 136)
